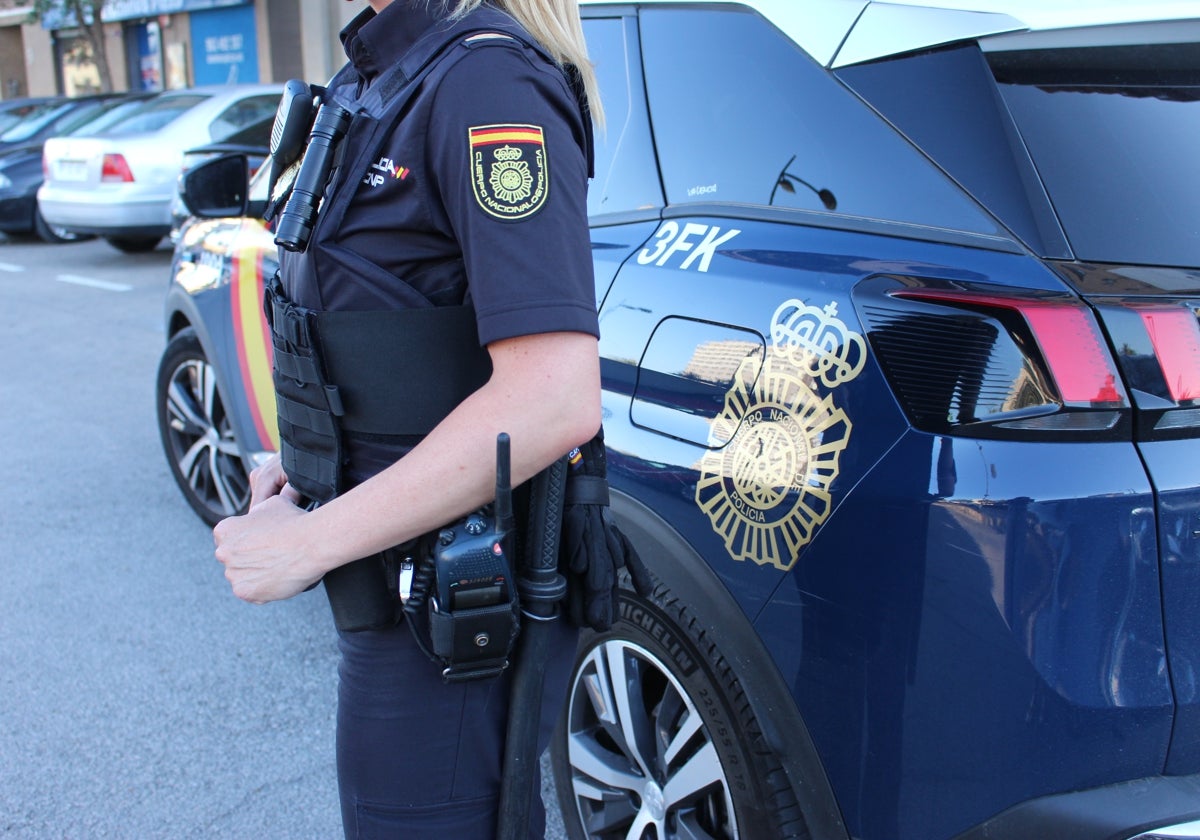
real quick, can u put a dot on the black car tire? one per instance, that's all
(682, 705)
(133, 244)
(197, 437)
(53, 234)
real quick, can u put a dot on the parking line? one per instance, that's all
(11, 267)
(79, 280)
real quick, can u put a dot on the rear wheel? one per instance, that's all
(197, 437)
(133, 244)
(658, 740)
(53, 233)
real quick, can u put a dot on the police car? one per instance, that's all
(901, 361)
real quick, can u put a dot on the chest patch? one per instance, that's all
(509, 172)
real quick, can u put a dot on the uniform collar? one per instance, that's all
(374, 42)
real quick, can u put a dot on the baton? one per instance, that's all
(541, 587)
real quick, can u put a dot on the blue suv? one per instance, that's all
(900, 315)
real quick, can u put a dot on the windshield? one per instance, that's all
(1113, 135)
(32, 122)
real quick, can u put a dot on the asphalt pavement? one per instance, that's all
(138, 697)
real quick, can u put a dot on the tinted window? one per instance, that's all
(1119, 160)
(626, 177)
(946, 102)
(740, 114)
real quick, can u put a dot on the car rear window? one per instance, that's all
(1113, 132)
(743, 115)
(152, 114)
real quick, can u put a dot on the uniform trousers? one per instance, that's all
(420, 759)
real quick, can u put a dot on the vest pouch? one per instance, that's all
(309, 407)
(360, 596)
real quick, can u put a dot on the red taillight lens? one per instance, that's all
(115, 168)
(988, 362)
(1068, 336)
(1175, 336)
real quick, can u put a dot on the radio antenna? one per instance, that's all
(505, 521)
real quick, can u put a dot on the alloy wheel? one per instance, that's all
(203, 447)
(643, 764)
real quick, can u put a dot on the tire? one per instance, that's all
(652, 703)
(204, 455)
(133, 244)
(54, 234)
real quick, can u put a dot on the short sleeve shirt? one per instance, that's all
(479, 195)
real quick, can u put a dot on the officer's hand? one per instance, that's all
(263, 559)
(268, 480)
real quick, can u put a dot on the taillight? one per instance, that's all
(115, 168)
(983, 362)
(1175, 335)
(1158, 348)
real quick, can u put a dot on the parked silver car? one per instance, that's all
(119, 182)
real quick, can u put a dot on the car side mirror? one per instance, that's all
(218, 188)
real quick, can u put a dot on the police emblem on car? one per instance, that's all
(508, 169)
(777, 444)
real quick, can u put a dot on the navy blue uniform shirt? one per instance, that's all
(480, 194)
(477, 196)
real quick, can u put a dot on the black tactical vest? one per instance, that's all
(387, 372)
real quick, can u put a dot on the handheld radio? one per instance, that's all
(473, 613)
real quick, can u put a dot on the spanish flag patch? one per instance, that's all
(509, 172)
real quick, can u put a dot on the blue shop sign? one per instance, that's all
(224, 46)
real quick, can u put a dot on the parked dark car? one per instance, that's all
(900, 315)
(21, 169)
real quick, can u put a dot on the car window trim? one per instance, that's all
(858, 224)
(625, 217)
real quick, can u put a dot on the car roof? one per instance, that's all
(841, 32)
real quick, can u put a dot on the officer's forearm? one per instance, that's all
(544, 392)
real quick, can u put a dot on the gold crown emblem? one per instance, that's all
(818, 340)
(508, 153)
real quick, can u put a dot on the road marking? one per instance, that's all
(79, 280)
(11, 267)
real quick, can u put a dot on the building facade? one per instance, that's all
(169, 44)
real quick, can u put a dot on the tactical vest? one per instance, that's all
(386, 372)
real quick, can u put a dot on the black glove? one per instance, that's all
(593, 548)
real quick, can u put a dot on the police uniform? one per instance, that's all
(476, 196)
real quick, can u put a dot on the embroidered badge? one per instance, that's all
(508, 169)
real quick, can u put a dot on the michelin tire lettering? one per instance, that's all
(766, 489)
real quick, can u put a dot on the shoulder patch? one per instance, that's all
(509, 171)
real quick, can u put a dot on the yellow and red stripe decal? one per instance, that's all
(253, 343)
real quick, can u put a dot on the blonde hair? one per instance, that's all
(555, 24)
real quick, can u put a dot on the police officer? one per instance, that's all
(474, 194)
